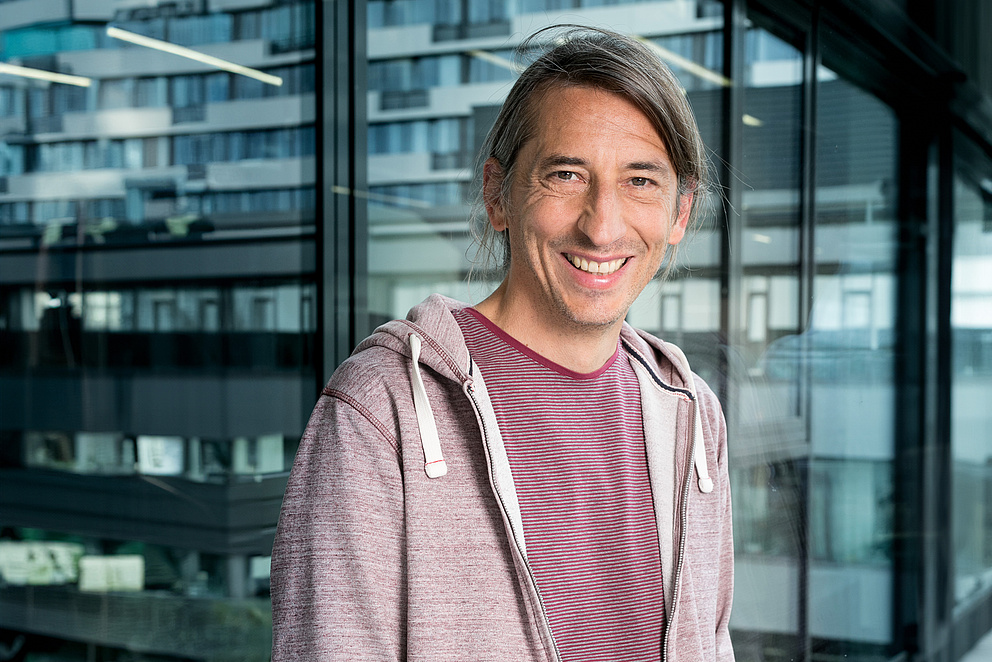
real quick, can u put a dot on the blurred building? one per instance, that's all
(224, 196)
(157, 317)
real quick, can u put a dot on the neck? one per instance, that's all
(578, 347)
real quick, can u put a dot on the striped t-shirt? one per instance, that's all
(575, 443)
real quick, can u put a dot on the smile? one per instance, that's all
(588, 266)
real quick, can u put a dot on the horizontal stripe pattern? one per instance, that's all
(575, 443)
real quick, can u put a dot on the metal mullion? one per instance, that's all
(322, 220)
(356, 157)
(922, 553)
(910, 479)
(807, 273)
(731, 265)
(341, 227)
(935, 617)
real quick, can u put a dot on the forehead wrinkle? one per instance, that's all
(624, 136)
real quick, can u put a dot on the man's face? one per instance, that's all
(592, 206)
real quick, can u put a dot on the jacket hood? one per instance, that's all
(431, 338)
(447, 354)
(443, 346)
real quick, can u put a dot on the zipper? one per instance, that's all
(499, 499)
(684, 505)
(683, 519)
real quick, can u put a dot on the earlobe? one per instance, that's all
(678, 229)
(492, 193)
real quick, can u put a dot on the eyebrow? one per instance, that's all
(650, 166)
(556, 160)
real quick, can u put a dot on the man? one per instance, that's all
(528, 479)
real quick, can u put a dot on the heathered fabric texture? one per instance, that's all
(373, 560)
(575, 443)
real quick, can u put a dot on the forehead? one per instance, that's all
(583, 117)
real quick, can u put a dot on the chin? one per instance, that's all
(591, 317)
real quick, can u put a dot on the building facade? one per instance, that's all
(205, 204)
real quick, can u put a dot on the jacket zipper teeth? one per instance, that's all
(499, 498)
(683, 517)
(683, 508)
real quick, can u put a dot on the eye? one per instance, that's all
(565, 175)
(640, 181)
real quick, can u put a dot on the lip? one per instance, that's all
(595, 280)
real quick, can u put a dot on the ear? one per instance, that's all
(492, 193)
(677, 231)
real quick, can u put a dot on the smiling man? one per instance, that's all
(591, 204)
(529, 478)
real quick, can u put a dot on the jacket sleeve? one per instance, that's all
(716, 425)
(338, 578)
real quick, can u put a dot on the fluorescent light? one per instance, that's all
(497, 60)
(191, 54)
(685, 63)
(41, 74)
(379, 197)
(751, 120)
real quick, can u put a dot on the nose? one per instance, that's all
(602, 218)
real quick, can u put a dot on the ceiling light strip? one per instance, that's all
(685, 63)
(492, 58)
(191, 54)
(41, 74)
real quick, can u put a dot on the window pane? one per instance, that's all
(766, 417)
(157, 324)
(850, 350)
(971, 376)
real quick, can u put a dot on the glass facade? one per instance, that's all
(771, 447)
(189, 244)
(971, 376)
(158, 308)
(850, 355)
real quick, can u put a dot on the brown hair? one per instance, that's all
(592, 57)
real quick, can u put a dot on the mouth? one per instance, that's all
(602, 268)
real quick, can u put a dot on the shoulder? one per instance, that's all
(374, 386)
(381, 365)
(367, 374)
(365, 398)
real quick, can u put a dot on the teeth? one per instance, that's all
(596, 267)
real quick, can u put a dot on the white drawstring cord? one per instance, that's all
(434, 464)
(705, 482)
(699, 447)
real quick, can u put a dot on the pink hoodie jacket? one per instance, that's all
(400, 534)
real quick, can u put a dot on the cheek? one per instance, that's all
(653, 223)
(541, 218)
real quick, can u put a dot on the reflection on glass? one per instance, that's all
(971, 378)
(769, 450)
(157, 321)
(770, 217)
(849, 349)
